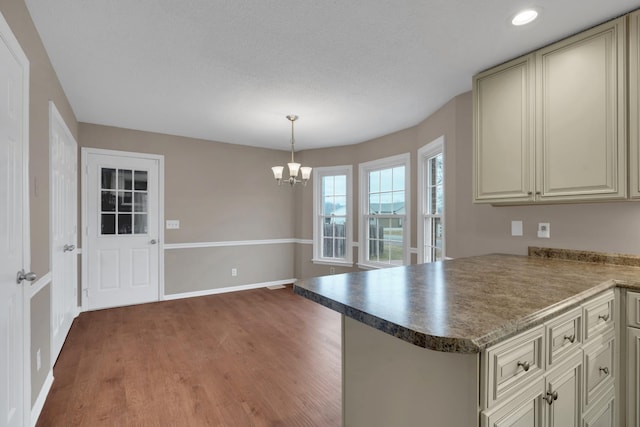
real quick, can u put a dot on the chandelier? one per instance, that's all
(294, 168)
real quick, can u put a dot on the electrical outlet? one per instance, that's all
(38, 360)
(544, 230)
(234, 272)
(173, 224)
(332, 270)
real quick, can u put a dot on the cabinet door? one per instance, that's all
(604, 414)
(634, 104)
(524, 410)
(633, 376)
(581, 116)
(563, 395)
(503, 132)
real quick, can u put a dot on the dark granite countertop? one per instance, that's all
(467, 304)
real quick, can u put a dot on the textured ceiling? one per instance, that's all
(232, 70)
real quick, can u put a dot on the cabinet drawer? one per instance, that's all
(599, 315)
(598, 367)
(513, 363)
(633, 309)
(564, 335)
(603, 412)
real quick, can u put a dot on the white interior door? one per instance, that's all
(123, 234)
(63, 154)
(14, 245)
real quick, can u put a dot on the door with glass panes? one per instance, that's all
(122, 245)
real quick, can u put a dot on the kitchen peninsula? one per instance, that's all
(471, 341)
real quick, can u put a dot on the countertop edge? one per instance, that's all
(464, 345)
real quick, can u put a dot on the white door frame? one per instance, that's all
(12, 43)
(86, 151)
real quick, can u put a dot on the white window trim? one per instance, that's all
(318, 173)
(434, 147)
(363, 170)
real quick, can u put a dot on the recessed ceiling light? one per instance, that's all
(524, 17)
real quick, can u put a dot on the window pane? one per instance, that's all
(140, 200)
(386, 180)
(398, 178)
(108, 224)
(374, 182)
(340, 205)
(395, 253)
(386, 203)
(439, 169)
(328, 205)
(124, 224)
(439, 199)
(327, 248)
(140, 224)
(374, 203)
(125, 179)
(398, 202)
(340, 188)
(140, 180)
(108, 201)
(108, 180)
(340, 248)
(327, 185)
(339, 226)
(125, 201)
(433, 200)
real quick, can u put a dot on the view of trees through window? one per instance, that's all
(434, 232)
(386, 215)
(334, 216)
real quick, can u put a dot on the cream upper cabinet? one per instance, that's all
(503, 126)
(550, 127)
(581, 116)
(634, 104)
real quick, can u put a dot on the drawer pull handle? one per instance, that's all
(605, 370)
(604, 317)
(570, 338)
(550, 397)
(525, 365)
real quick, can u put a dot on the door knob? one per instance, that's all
(68, 248)
(25, 276)
(153, 241)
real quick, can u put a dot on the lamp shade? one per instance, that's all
(306, 172)
(277, 172)
(293, 169)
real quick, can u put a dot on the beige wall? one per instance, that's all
(219, 192)
(44, 86)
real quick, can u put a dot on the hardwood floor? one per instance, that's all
(251, 358)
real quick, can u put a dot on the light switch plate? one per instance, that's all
(544, 230)
(516, 228)
(173, 224)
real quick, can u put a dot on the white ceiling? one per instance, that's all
(231, 70)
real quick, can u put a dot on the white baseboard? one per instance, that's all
(227, 289)
(42, 397)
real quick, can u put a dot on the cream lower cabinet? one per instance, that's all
(560, 374)
(551, 126)
(633, 359)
